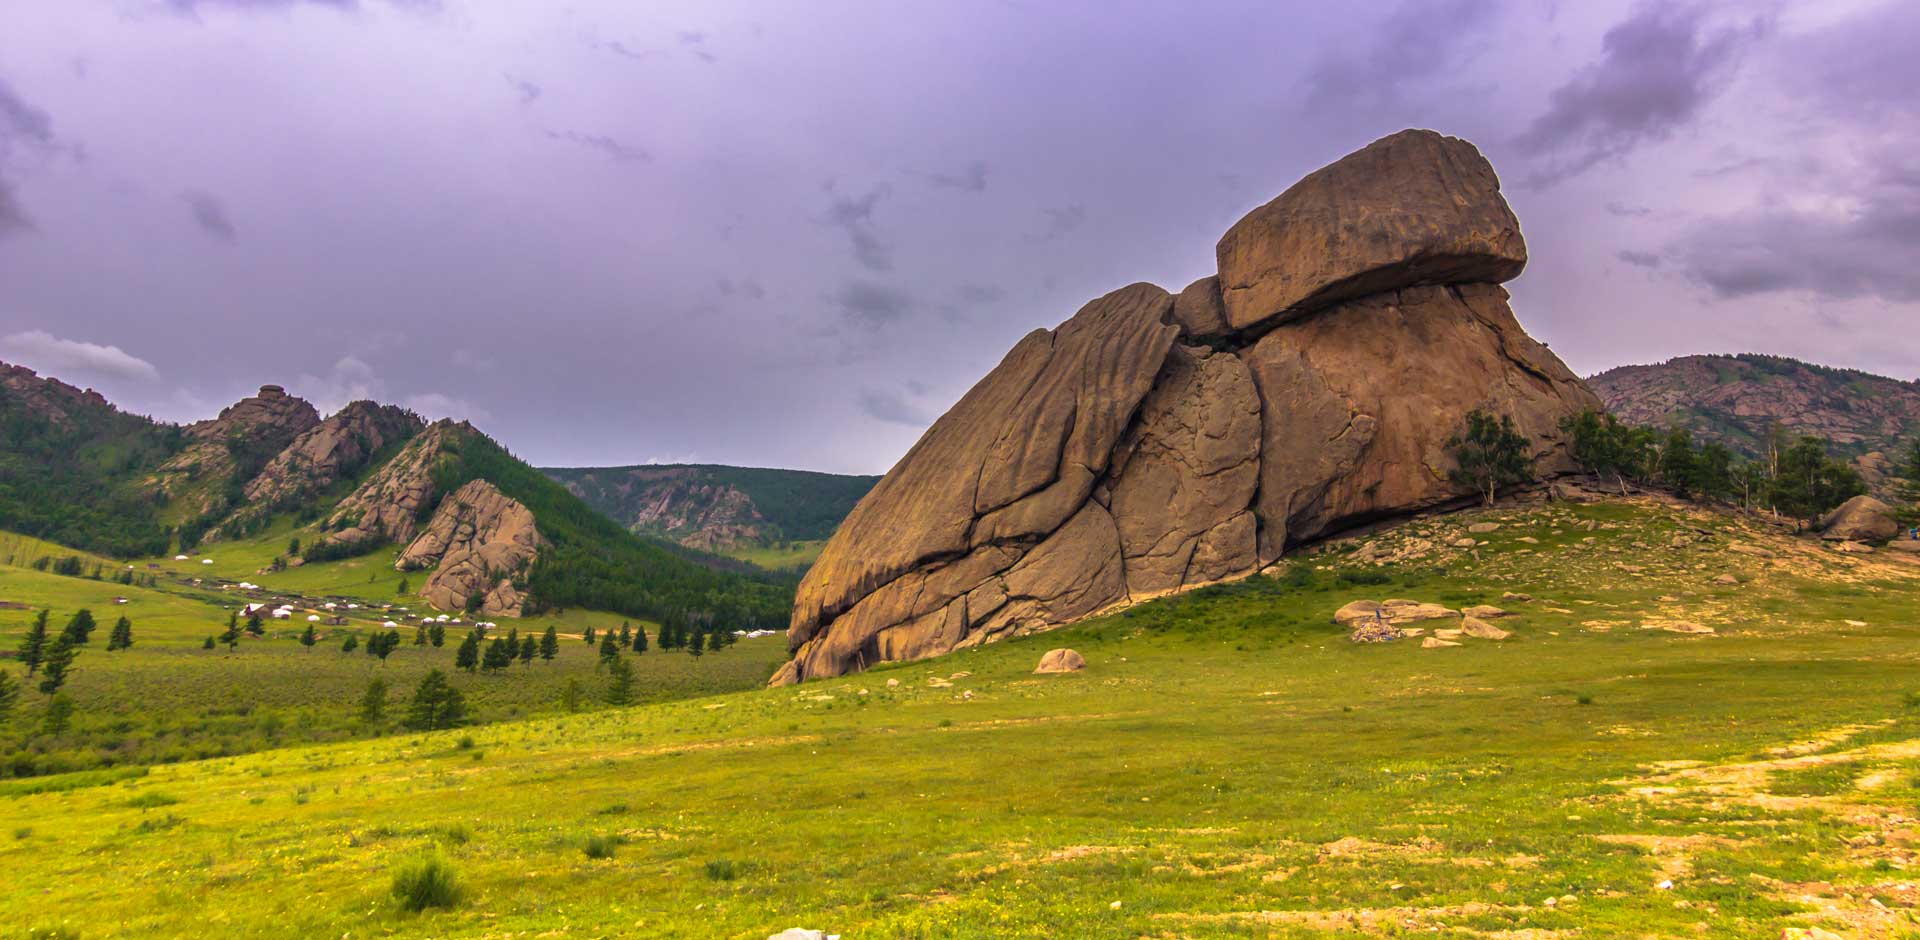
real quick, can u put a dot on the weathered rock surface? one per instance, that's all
(1860, 519)
(390, 505)
(1151, 444)
(48, 397)
(218, 449)
(1413, 208)
(478, 541)
(1060, 660)
(323, 455)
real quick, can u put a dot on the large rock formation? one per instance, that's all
(1154, 443)
(322, 456)
(478, 541)
(392, 503)
(1860, 519)
(233, 446)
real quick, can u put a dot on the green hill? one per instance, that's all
(729, 509)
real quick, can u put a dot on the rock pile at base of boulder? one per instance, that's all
(1154, 443)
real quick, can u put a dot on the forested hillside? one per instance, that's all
(718, 508)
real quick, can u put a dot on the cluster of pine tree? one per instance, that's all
(52, 657)
(1798, 477)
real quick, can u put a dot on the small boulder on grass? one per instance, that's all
(1482, 630)
(1060, 660)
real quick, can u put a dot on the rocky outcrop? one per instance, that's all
(477, 542)
(391, 504)
(49, 398)
(1153, 443)
(1860, 519)
(324, 455)
(717, 508)
(233, 446)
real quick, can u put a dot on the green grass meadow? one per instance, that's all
(1228, 765)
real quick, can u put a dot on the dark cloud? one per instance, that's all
(1639, 259)
(528, 91)
(1656, 70)
(891, 405)
(696, 42)
(209, 214)
(1418, 41)
(870, 303)
(745, 287)
(1866, 250)
(973, 179)
(611, 146)
(854, 215)
(976, 294)
(22, 127)
(1062, 221)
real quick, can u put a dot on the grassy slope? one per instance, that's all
(779, 558)
(168, 699)
(1228, 766)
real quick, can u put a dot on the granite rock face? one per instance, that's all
(1154, 443)
(321, 456)
(250, 431)
(391, 504)
(1860, 519)
(477, 542)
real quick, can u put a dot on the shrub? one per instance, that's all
(426, 880)
(722, 869)
(598, 846)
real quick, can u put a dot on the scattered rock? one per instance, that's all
(1853, 548)
(893, 683)
(1745, 548)
(1434, 642)
(801, 933)
(1517, 598)
(1860, 519)
(1908, 546)
(1374, 631)
(1482, 630)
(1678, 626)
(1392, 611)
(1060, 660)
(1464, 543)
(1726, 579)
(1482, 528)
(1482, 611)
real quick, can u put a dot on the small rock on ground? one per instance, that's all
(1060, 660)
(1434, 642)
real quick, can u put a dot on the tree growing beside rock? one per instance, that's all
(1491, 456)
(1811, 481)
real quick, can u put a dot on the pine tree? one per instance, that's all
(232, 637)
(58, 715)
(609, 647)
(549, 644)
(80, 629)
(570, 695)
(420, 635)
(1679, 463)
(351, 643)
(56, 665)
(1491, 456)
(254, 626)
(122, 635)
(639, 640)
(309, 638)
(468, 656)
(619, 681)
(437, 635)
(588, 636)
(33, 647)
(626, 635)
(497, 656)
(436, 704)
(529, 648)
(373, 704)
(698, 643)
(513, 639)
(207, 645)
(1809, 482)
(388, 642)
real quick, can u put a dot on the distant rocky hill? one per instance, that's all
(1153, 443)
(1735, 400)
(487, 531)
(718, 508)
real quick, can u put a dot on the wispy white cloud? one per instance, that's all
(46, 352)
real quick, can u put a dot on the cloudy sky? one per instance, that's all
(790, 234)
